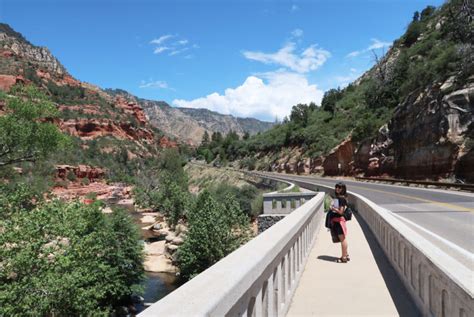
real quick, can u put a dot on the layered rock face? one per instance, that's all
(80, 171)
(429, 136)
(340, 160)
(17, 48)
(89, 129)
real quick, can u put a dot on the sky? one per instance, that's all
(245, 58)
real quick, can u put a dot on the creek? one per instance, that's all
(156, 285)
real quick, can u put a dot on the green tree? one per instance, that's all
(301, 112)
(173, 200)
(66, 259)
(205, 139)
(330, 98)
(215, 230)
(25, 133)
(171, 166)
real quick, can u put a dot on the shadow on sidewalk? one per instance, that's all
(400, 296)
(327, 258)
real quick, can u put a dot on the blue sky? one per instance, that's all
(246, 58)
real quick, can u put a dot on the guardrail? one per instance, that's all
(469, 187)
(258, 279)
(438, 284)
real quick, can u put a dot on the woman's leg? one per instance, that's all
(343, 245)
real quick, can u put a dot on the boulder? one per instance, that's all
(159, 264)
(177, 241)
(171, 248)
(155, 248)
(170, 237)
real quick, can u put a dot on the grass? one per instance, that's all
(295, 189)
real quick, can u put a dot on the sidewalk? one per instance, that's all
(365, 286)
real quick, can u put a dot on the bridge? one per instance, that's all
(411, 255)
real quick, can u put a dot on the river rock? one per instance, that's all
(157, 226)
(159, 264)
(147, 219)
(178, 241)
(171, 248)
(155, 248)
(180, 228)
(170, 237)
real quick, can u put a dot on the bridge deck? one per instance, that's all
(365, 286)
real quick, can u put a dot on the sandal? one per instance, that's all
(348, 258)
(342, 260)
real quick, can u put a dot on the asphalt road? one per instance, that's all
(444, 217)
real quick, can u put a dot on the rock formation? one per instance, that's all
(429, 136)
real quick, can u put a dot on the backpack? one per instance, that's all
(327, 222)
(348, 213)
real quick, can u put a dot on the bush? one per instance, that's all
(66, 259)
(215, 230)
(71, 176)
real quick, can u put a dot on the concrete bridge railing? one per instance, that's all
(258, 279)
(438, 284)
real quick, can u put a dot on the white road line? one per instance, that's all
(450, 244)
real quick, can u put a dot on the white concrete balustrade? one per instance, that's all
(258, 279)
(439, 285)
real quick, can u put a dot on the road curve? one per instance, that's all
(444, 217)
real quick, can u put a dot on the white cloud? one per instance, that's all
(176, 52)
(175, 47)
(297, 33)
(154, 84)
(266, 96)
(160, 49)
(376, 44)
(161, 39)
(310, 59)
(353, 54)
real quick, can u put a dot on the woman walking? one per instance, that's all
(338, 222)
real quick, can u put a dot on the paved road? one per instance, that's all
(446, 218)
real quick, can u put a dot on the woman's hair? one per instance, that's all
(342, 186)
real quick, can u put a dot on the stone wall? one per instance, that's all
(266, 221)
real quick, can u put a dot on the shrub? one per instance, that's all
(215, 230)
(67, 259)
(71, 176)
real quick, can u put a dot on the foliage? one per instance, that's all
(215, 230)
(245, 195)
(174, 200)
(65, 93)
(162, 185)
(25, 134)
(65, 259)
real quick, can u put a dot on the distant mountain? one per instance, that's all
(189, 124)
(112, 112)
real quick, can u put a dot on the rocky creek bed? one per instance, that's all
(160, 245)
